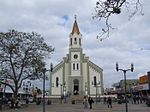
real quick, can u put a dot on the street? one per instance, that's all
(99, 107)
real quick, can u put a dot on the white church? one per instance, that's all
(76, 74)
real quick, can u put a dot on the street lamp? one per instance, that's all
(96, 86)
(63, 90)
(86, 89)
(124, 71)
(65, 94)
(44, 71)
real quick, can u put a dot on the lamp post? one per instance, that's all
(44, 71)
(63, 89)
(65, 94)
(124, 71)
(86, 89)
(96, 86)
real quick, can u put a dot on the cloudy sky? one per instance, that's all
(53, 19)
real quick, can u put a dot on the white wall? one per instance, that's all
(67, 74)
(57, 90)
(93, 73)
(85, 75)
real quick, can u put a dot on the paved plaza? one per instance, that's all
(99, 107)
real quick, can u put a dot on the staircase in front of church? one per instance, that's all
(76, 99)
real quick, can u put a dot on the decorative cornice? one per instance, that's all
(94, 66)
(58, 66)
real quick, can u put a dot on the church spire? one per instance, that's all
(75, 27)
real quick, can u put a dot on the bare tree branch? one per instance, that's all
(105, 9)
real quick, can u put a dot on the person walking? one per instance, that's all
(109, 102)
(134, 99)
(85, 102)
(90, 100)
(104, 100)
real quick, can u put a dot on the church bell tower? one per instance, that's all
(75, 54)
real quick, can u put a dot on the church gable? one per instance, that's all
(57, 67)
(95, 67)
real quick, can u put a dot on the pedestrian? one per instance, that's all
(137, 99)
(12, 103)
(134, 99)
(65, 98)
(109, 102)
(90, 100)
(85, 102)
(104, 100)
(141, 99)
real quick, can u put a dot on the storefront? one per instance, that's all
(144, 85)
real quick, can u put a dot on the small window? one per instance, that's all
(77, 66)
(73, 66)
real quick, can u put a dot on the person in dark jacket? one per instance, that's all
(90, 100)
(109, 102)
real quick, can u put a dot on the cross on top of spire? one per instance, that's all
(75, 17)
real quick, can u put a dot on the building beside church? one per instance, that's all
(76, 74)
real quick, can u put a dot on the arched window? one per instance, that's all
(77, 66)
(73, 66)
(95, 82)
(75, 40)
(57, 81)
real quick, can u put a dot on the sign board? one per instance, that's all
(142, 87)
(143, 79)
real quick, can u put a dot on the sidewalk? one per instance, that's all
(79, 108)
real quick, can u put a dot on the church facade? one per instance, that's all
(76, 74)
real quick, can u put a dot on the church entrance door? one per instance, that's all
(76, 86)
